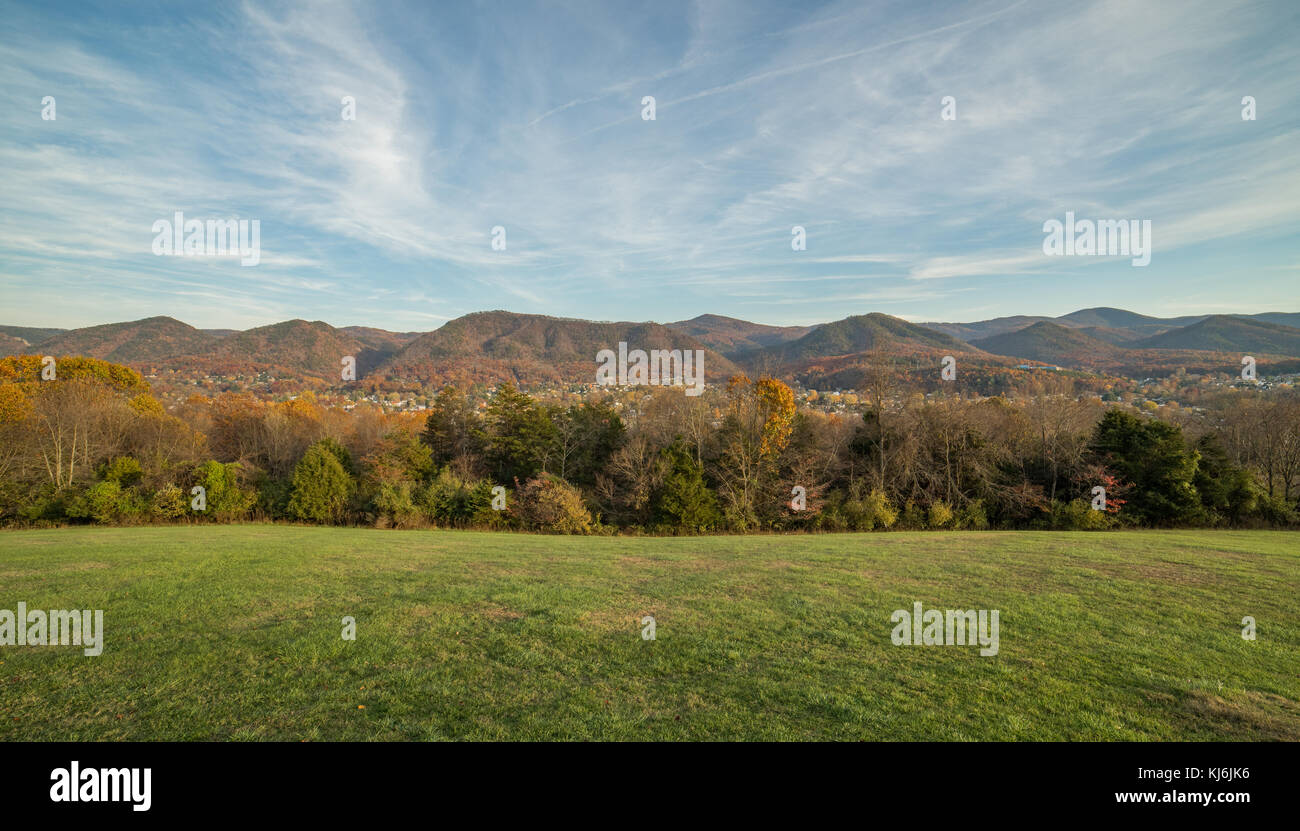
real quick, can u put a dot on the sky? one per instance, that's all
(530, 117)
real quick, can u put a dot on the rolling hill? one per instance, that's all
(1110, 318)
(152, 340)
(32, 335)
(1224, 333)
(842, 354)
(10, 345)
(863, 333)
(380, 340)
(1118, 326)
(489, 347)
(1291, 319)
(297, 346)
(984, 328)
(731, 336)
(1214, 344)
(1050, 343)
(1119, 337)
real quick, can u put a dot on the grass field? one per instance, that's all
(234, 633)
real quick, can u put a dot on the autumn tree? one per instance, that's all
(548, 503)
(754, 433)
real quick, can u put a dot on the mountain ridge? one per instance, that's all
(496, 345)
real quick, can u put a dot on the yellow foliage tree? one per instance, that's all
(776, 403)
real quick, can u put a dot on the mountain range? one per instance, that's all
(490, 347)
(1102, 322)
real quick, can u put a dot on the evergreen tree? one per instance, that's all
(321, 486)
(684, 500)
(520, 437)
(587, 435)
(1228, 492)
(451, 428)
(1152, 457)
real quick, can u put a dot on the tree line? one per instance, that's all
(95, 446)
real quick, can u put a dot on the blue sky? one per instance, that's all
(528, 116)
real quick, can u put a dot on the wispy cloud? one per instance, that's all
(767, 119)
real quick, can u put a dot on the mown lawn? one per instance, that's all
(233, 632)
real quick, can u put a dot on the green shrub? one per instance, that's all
(854, 511)
(450, 501)
(273, 497)
(108, 503)
(440, 500)
(123, 470)
(43, 504)
(913, 517)
(321, 486)
(973, 517)
(97, 503)
(225, 500)
(1276, 511)
(1078, 515)
(831, 517)
(395, 507)
(479, 503)
(169, 503)
(851, 510)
